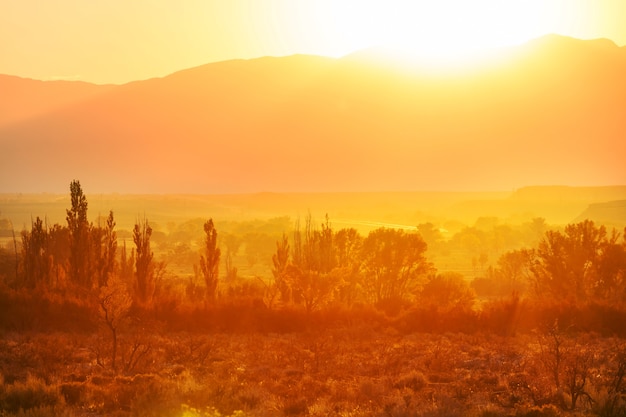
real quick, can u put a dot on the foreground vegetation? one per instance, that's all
(365, 370)
(343, 324)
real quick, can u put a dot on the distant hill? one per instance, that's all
(23, 99)
(557, 204)
(570, 194)
(612, 213)
(547, 112)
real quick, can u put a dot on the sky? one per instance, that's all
(117, 41)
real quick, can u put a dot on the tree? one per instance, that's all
(448, 291)
(210, 261)
(569, 264)
(127, 264)
(79, 230)
(394, 264)
(431, 235)
(312, 274)
(232, 244)
(513, 271)
(59, 250)
(313, 288)
(348, 244)
(37, 262)
(144, 269)
(280, 261)
(115, 303)
(104, 242)
(610, 284)
(568, 363)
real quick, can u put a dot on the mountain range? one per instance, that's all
(551, 111)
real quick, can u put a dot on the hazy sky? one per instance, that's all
(116, 41)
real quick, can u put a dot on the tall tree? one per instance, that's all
(232, 243)
(280, 261)
(79, 230)
(210, 261)
(127, 264)
(107, 249)
(144, 269)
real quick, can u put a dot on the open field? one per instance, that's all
(360, 370)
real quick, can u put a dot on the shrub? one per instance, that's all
(33, 393)
(41, 412)
(413, 380)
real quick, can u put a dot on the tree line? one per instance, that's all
(316, 266)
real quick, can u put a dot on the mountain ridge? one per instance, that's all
(321, 124)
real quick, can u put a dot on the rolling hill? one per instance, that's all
(547, 112)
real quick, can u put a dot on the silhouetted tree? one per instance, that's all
(280, 261)
(311, 273)
(144, 270)
(35, 254)
(127, 264)
(59, 249)
(610, 284)
(115, 302)
(431, 235)
(394, 264)
(10, 256)
(514, 271)
(448, 291)
(106, 243)
(568, 263)
(232, 243)
(79, 231)
(210, 261)
(348, 244)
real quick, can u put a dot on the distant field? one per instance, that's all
(363, 211)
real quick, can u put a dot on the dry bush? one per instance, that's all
(413, 380)
(41, 310)
(337, 371)
(45, 411)
(502, 317)
(611, 394)
(32, 393)
(73, 393)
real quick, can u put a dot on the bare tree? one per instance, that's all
(115, 303)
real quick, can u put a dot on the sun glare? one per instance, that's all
(436, 31)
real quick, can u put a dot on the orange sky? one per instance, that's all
(116, 41)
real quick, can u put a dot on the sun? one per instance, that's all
(441, 30)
